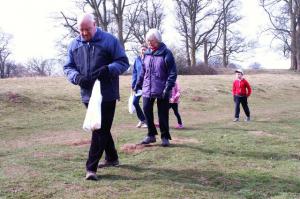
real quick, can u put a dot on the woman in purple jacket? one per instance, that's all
(157, 78)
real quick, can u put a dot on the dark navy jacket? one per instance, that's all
(87, 58)
(136, 71)
(158, 72)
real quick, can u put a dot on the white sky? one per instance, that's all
(35, 32)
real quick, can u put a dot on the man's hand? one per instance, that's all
(103, 73)
(83, 82)
(166, 93)
(136, 88)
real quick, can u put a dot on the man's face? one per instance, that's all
(87, 30)
(153, 43)
(239, 75)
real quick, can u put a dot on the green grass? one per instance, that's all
(43, 148)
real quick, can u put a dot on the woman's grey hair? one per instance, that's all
(86, 17)
(153, 34)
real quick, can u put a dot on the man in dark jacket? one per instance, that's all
(95, 54)
(157, 78)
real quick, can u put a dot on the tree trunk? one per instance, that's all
(205, 53)
(293, 36)
(297, 37)
(187, 52)
(1, 70)
(224, 31)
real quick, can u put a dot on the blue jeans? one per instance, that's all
(139, 112)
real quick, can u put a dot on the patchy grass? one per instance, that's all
(43, 148)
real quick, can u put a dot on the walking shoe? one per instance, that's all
(179, 126)
(148, 140)
(236, 119)
(247, 119)
(144, 126)
(139, 124)
(165, 142)
(106, 163)
(91, 176)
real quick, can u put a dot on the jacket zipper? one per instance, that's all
(150, 74)
(88, 60)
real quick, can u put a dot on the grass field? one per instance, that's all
(43, 148)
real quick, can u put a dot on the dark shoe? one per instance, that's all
(106, 163)
(91, 176)
(148, 140)
(165, 142)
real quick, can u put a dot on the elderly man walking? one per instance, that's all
(96, 54)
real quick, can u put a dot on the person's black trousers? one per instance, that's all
(163, 116)
(102, 139)
(241, 100)
(174, 106)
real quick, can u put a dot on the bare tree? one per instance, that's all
(150, 15)
(14, 69)
(197, 20)
(110, 15)
(4, 51)
(232, 41)
(40, 66)
(284, 17)
(125, 9)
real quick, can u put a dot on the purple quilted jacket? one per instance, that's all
(158, 72)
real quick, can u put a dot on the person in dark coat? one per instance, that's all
(157, 78)
(96, 54)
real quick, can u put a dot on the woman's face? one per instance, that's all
(142, 50)
(153, 43)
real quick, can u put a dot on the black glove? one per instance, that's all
(83, 82)
(103, 73)
(166, 93)
(137, 87)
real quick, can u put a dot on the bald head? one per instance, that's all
(87, 26)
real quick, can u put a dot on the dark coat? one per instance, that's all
(87, 58)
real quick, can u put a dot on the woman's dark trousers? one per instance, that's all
(139, 112)
(163, 116)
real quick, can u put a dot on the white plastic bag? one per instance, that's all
(131, 108)
(92, 119)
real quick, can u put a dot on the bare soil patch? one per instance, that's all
(137, 148)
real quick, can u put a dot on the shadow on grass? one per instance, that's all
(252, 154)
(249, 185)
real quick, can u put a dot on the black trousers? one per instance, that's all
(163, 116)
(102, 139)
(241, 100)
(174, 106)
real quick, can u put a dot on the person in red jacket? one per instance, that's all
(241, 90)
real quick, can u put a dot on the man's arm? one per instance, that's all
(70, 69)
(120, 61)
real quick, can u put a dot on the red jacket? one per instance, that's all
(241, 88)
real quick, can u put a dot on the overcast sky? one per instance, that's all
(35, 32)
